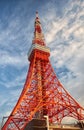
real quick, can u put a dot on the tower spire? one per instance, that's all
(38, 42)
(38, 35)
(36, 13)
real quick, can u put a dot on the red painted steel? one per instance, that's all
(43, 94)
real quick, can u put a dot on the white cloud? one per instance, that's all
(55, 27)
(79, 32)
(66, 25)
(12, 59)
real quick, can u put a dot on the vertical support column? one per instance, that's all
(39, 86)
(44, 88)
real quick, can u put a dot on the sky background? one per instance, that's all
(63, 27)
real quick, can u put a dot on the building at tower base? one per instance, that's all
(36, 124)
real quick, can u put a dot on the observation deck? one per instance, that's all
(42, 52)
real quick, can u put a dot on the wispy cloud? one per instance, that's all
(14, 60)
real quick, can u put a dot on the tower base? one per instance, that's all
(36, 124)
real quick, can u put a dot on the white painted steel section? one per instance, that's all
(39, 47)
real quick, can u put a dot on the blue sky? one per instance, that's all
(63, 28)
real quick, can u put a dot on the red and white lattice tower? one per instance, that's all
(43, 94)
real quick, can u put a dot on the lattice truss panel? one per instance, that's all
(43, 94)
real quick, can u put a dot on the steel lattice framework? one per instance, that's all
(43, 94)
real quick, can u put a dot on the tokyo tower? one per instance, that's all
(43, 94)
